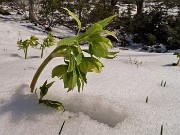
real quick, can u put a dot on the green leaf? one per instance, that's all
(74, 79)
(79, 83)
(48, 41)
(93, 30)
(79, 58)
(75, 18)
(71, 64)
(44, 89)
(70, 80)
(68, 41)
(62, 51)
(110, 33)
(112, 53)
(96, 63)
(59, 71)
(82, 78)
(34, 38)
(90, 64)
(54, 104)
(99, 49)
(106, 21)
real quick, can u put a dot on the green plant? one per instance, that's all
(178, 56)
(77, 61)
(24, 45)
(43, 91)
(47, 42)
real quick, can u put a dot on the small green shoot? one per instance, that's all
(147, 99)
(61, 128)
(24, 45)
(178, 56)
(161, 133)
(43, 91)
(47, 42)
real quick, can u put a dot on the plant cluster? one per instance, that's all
(77, 61)
(33, 42)
(24, 45)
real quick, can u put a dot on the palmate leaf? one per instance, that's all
(99, 49)
(62, 51)
(59, 71)
(75, 18)
(68, 41)
(90, 64)
(70, 80)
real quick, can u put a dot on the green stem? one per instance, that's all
(42, 50)
(43, 65)
(25, 53)
(38, 72)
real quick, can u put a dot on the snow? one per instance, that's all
(112, 103)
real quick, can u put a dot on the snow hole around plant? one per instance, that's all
(24, 104)
(97, 108)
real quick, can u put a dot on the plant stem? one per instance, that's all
(38, 72)
(25, 53)
(42, 50)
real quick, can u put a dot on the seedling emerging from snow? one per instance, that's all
(24, 45)
(43, 91)
(178, 56)
(76, 65)
(47, 42)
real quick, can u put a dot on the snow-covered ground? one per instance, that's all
(112, 103)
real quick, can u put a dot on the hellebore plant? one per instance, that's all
(24, 45)
(76, 64)
(47, 42)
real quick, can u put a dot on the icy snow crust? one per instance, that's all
(112, 103)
